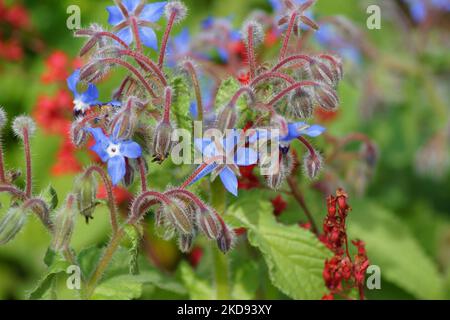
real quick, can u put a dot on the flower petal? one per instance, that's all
(229, 180)
(246, 156)
(131, 5)
(148, 37)
(207, 170)
(99, 136)
(72, 81)
(99, 149)
(200, 144)
(126, 35)
(90, 96)
(130, 149)
(313, 131)
(115, 15)
(116, 169)
(153, 11)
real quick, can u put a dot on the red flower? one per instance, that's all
(11, 50)
(17, 16)
(195, 256)
(66, 162)
(240, 231)
(271, 38)
(53, 113)
(248, 179)
(279, 205)
(121, 195)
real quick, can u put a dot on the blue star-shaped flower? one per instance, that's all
(114, 153)
(82, 101)
(227, 171)
(149, 13)
(294, 130)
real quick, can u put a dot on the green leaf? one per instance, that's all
(51, 197)
(181, 101)
(58, 266)
(392, 246)
(226, 91)
(135, 236)
(198, 288)
(131, 286)
(246, 281)
(294, 256)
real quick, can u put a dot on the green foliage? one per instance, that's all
(293, 255)
(180, 103)
(395, 250)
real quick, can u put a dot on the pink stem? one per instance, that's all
(26, 143)
(297, 85)
(287, 36)
(167, 105)
(289, 59)
(251, 52)
(162, 52)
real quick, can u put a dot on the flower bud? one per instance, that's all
(208, 224)
(77, 133)
(185, 242)
(321, 72)
(123, 124)
(226, 240)
(130, 165)
(326, 97)
(370, 154)
(11, 224)
(175, 7)
(64, 224)
(257, 32)
(177, 214)
(3, 118)
(279, 122)
(227, 118)
(163, 228)
(86, 194)
(286, 164)
(162, 142)
(312, 163)
(23, 123)
(334, 64)
(301, 103)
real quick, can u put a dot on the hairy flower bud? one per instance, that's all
(279, 122)
(286, 164)
(208, 224)
(123, 124)
(227, 118)
(64, 224)
(3, 118)
(312, 163)
(77, 133)
(178, 9)
(334, 64)
(257, 32)
(226, 239)
(12, 223)
(179, 217)
(326, 97)
(301, 103)
(185, 242)
(162, 142)
(86, 195)
(321, 72)
(23, 123)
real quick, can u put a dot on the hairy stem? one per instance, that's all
(109, 191)
(29, 178)
(142, 173)
(301, 201)
(198, 93)
(287, 36)
(251, 52)
(162, 52)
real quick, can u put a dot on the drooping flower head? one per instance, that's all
(114, 152)
(133, 13)
(82, 100)
(232, 156)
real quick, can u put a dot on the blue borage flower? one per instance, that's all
(279, 8)
(145, 16)
(230, 151)
(82, 101)
(114, 152)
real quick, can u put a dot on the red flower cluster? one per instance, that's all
(340, 273)
(279, 205)
(54, 112)
(13, 19)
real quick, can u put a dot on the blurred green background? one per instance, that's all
(398, 97)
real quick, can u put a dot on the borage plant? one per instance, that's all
(226, 127)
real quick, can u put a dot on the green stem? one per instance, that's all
(220, 260)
